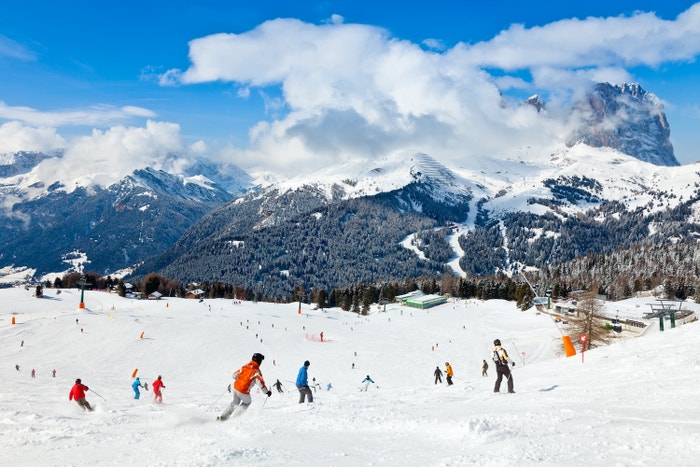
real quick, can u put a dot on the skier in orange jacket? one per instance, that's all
(245, 379)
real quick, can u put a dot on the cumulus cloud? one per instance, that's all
(102, 115)
(105, 157)
(350, 90)
(15, 137)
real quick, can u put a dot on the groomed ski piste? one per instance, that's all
(634, 402)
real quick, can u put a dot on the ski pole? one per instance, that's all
(217, 400)
(521, 355)
(98, 395)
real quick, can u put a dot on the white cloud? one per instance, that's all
(352, 91)
(199, 147)
(15, 137)
(105, 157)
(99, 115)
(640, 39)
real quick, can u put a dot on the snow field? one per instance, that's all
(631, 403)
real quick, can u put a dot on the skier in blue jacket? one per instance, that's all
(365, 383)
(135, 386)
(303, 383)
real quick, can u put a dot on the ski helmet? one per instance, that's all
(77, 380)
(258, 358)
(307, 363)
(497, 342)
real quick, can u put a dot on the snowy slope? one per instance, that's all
(632, 403)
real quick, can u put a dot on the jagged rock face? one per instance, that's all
(537, 102)
(627, 118)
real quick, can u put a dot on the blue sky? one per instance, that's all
(279, 85)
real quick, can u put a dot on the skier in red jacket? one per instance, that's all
(77, 393)
(157, 384)
(245, 379)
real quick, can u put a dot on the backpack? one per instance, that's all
(500, 359)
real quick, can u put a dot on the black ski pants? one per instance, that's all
(501, 371)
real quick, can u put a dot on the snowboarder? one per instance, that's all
(438, 375)
(448, 370)
(365, 383)
(77, 393)
(244, 380)
(500, 357)
(484, 369)
(278, 386)
(157, 385)
(135, 386)
(303, 383)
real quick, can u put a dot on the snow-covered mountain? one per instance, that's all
(613, 183)
(44, 222)
(409, 216)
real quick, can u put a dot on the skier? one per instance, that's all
(53, 373)
(303, 383)
(33, 373)
(278, 385)
(438, 375)
(365, 383)
(17, 367)
(135, 386)
(157, 385)
(244, 380)
(484, 369)
(448, 370)
(321, 336)
(77, 393)
(500, 357)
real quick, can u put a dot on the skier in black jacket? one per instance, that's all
(438, 375)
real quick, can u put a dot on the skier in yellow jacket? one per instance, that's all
(450, 374)
(500, 357)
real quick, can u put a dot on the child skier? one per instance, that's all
(438, 375)
(157, 385)
(135, 386)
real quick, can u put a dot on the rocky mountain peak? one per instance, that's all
(627, 118)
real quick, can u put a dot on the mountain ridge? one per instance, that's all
(527, 202)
